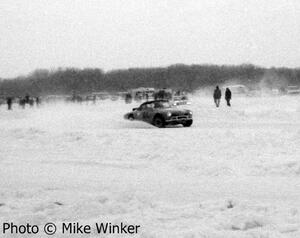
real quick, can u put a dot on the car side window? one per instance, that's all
(157, 105)
(151, 105)
(147, 106)
(143, 107)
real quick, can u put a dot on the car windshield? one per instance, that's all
(162, 105)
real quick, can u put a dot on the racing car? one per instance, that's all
(161, 113)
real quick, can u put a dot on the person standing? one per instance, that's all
(37, 101)
(217, 96)
(27, 97)
(228, 96)
(9, 102)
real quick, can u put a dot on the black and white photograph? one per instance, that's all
(150, 118)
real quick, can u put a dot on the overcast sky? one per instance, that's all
(111, 34)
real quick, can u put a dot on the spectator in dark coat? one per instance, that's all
(228, 96)
(9, 102)
(217, 96)
(27, 97)
(37, 101)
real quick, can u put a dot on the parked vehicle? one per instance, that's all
(293, 90)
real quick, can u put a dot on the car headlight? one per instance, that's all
(169, 114)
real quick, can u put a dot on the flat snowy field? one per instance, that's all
(234, 173)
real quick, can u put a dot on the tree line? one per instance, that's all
(184, 77)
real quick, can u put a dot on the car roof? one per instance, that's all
(154, 101)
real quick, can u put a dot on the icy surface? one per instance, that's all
(234, 173)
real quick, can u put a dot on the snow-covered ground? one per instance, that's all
(234, 173)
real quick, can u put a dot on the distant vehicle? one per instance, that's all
(114, 97)
(275, 91)
(293, 90)
(163, 94)
(101, 95)
(237, 88)
(161, 113)
(142, 93)
(55, 98)
(180, 98)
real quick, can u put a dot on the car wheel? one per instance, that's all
(158, 121)
(130, 117)
(187, 123)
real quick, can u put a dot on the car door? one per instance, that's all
(148, 111)
(139, 113)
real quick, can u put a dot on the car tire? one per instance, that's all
(187, 123)
(130, 117)
(159, 121)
